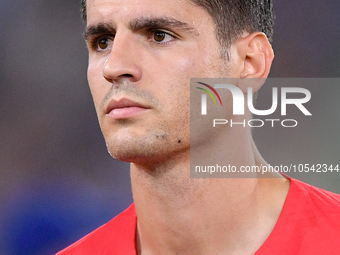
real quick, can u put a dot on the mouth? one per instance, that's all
(124, 108)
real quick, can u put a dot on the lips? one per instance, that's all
(124, 109)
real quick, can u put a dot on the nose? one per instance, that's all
(123, 61)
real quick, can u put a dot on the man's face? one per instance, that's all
(142, 54)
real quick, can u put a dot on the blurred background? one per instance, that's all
(58, 183)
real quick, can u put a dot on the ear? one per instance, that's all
(257, 56)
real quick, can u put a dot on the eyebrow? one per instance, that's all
(158, 22)
(100, 28)
(138, 24)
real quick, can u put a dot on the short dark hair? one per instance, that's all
(233, 17)
(83, 9)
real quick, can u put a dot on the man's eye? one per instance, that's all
(161, 37)
(102, 44)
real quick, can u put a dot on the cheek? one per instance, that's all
(178, 103)
(96, 83)
(175, 89)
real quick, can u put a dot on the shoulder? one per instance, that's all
(315, 215)
(115, 237)
(309, 223)
(315, 208)
(315, 198)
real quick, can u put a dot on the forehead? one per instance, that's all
(125, 10)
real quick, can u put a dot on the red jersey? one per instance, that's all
(308, 224)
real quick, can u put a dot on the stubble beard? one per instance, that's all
(153, 144)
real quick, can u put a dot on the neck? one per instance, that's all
(182, 215)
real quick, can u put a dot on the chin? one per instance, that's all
(135, 150)
(132, 156)
(148, 150)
